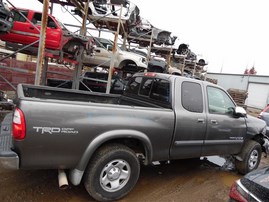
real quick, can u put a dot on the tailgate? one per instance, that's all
(8, 158)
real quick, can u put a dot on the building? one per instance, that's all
(257, 87)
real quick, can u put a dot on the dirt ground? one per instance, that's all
(184, 180)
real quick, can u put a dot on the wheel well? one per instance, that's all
(258, 138)
(136, 145)
(125, 63)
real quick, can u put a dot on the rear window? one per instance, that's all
(192, 97)
(151, 89)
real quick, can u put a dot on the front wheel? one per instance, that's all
(112, 173)
(251, 155)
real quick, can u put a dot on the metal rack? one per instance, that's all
(82, 6)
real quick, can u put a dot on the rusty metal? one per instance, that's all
(11, 85)
(83, 29)
(41, 48)
(44, 73)
(149, 50)
(17, 69)
(114, 52)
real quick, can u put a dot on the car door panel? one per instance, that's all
(225, 132)
(190, 127)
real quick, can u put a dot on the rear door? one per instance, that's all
(225, 132)
(190, 125)
(102, 52)
(53, 31)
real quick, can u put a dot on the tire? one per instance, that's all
(251, 155)
(112, 173)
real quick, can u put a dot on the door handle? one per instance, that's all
(32, 28)
(200, 120)
(97, 51)
(214, 121)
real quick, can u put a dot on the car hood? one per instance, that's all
(259, 176)
(130, 54)
(255, 125)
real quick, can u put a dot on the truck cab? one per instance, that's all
(26, 30)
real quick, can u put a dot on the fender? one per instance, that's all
(76, 174)
(255, 126)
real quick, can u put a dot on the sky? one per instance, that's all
(231, 35)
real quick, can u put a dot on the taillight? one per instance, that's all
(18, 125)
(235, 193)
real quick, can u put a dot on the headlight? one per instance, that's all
(143, 60)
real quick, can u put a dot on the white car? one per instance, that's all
(124, 60)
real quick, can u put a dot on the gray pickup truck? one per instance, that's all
(101, 139)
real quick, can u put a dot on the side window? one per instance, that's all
(218, 101)
(160, 90)
(192, 97)
(19, 17)
(37, 18)
(133, 86)
(146, 86)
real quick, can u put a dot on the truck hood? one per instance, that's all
(255, 125)
(75, 36)
(130, 54)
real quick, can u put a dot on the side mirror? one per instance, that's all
(240, 112)
(109, 48)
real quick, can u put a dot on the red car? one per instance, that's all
(26, 31)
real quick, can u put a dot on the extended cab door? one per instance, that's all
(190, 124)
(225, 131)
(102, 53)
(53, 31)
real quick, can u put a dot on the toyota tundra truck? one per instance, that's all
(102, 139)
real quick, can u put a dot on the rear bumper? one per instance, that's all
(9, 160)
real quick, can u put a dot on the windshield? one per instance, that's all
(104, 43)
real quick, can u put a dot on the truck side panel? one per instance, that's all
(59, 133)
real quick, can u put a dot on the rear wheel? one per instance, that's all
(251, 155)
(112, 173)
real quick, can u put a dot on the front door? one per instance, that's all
(225, 132)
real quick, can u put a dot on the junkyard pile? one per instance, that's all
(239, 96)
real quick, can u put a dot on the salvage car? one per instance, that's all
(253, 187)
(26, 30)
(124, 60)
(102, 139)
(264, 115)
(106, 13)
(6, 18)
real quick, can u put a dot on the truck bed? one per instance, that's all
(51, 93)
